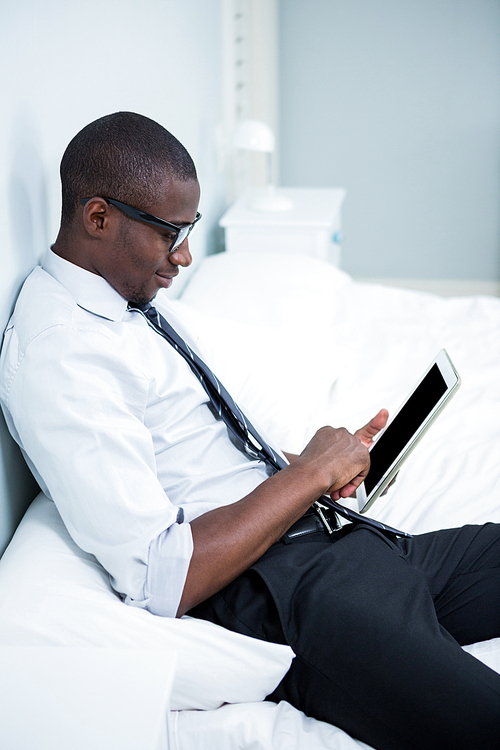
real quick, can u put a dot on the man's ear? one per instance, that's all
(96, 216)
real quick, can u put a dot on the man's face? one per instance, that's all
(138, 262)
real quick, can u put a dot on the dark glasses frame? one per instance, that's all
(181, 232)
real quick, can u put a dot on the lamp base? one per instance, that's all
(269, 199)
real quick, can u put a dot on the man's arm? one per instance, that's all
(228, 540)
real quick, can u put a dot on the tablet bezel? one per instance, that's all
(452, 381)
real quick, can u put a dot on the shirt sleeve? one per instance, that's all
(77, 408)
(169, 557)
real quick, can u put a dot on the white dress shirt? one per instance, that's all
(116, 429)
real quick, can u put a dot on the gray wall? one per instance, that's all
(62, 65)
(399, 102)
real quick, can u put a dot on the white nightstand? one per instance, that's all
(312, 226)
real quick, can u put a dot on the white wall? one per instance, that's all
(64, 64)
(399, 102)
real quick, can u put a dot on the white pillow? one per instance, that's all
(53, 594)
(274, 289)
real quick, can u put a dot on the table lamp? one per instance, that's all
(255, 135)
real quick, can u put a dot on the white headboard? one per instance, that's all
(17, 486)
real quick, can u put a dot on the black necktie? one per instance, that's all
(241, 427)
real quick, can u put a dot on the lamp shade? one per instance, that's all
(254, 135)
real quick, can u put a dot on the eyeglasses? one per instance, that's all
(181, 233)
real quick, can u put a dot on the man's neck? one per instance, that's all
(69, 247)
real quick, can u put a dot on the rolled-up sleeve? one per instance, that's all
(169, 557)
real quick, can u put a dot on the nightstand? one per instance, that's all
(312, 226)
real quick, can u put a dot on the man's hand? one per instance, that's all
(366, 435)
(340, 457)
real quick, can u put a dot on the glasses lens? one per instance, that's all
(183, 233)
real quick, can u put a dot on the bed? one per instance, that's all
(299, 345)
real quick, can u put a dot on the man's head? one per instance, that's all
(123, 156)
(129, 160)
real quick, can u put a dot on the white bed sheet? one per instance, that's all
(305, 348)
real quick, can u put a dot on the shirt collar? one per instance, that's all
(89, 290)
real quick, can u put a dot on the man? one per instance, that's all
(123, 435)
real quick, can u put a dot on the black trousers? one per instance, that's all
(377, 626)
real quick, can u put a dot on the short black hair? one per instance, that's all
(123, 156)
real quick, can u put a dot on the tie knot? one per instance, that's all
(147, 309)
(144, 307)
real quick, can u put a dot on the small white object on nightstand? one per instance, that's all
(311, 226)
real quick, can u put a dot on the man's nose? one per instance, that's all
(181, 255)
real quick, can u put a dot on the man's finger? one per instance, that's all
(373, 427)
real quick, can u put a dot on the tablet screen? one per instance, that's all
(404, 425)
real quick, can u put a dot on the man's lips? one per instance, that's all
(165, 280)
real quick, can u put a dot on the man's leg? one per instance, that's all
(462, 568)
(372, 656)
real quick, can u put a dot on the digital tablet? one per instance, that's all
(411, 421)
